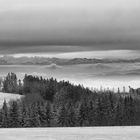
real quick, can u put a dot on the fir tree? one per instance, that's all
(35, 121)
(14, 115)
(63, 116)
(5, 118)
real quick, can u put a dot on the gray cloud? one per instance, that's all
(64, 48)
(95, 24)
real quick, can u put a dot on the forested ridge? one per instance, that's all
(49, 103)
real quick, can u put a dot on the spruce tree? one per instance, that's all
(35, 121)
(62, 117)
(119, 111)
(48, 114)
(71, 115)
(23, 114)
(91, 114)
(100, 113)
(83, 114)
(5, 118)
(14, 115)
(27, 118)
(0, 118)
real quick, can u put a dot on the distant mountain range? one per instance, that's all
(10, 60)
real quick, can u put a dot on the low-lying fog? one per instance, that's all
(90, 75)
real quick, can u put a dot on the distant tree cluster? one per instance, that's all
(10, 84)
(49, 103)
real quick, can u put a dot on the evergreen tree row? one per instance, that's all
(49, 103)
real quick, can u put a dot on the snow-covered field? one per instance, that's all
(8, 97)
(92, 133)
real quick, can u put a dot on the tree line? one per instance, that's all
(49, 103)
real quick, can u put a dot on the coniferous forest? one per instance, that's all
(49, 103)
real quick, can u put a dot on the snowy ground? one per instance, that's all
(93, 133)
(8, 97)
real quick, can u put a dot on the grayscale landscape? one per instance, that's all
(69, 69)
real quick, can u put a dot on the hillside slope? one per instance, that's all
(8, 97)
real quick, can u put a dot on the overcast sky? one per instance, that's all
(68, 25)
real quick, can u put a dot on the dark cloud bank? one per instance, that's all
(68, 25)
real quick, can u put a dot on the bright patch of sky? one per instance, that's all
(111, 54)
